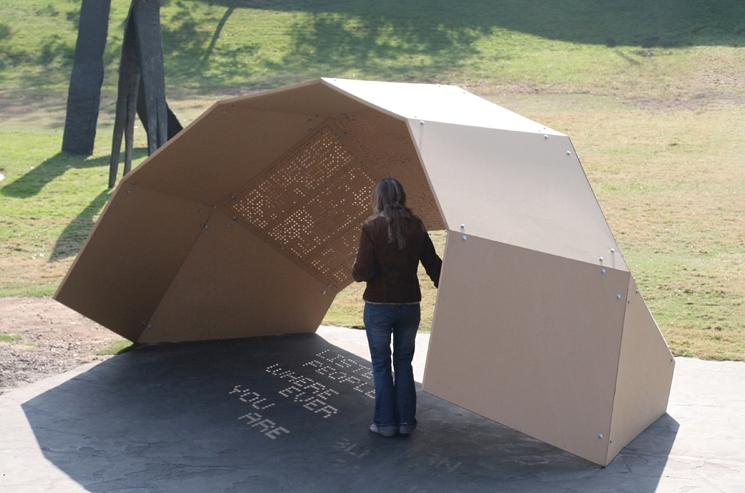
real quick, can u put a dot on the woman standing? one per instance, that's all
(392, 243)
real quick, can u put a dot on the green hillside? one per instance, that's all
(209, 45)
(651, 94)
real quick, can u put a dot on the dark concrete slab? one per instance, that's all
(287, 413)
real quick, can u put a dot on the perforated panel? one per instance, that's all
(310, 204)
(386, 149)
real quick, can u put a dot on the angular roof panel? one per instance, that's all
(436, 102)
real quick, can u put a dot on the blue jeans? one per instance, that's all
(395, 399)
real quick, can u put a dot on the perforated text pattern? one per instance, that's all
(311, 203)
(387, 150)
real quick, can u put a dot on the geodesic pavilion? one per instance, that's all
(247, 224)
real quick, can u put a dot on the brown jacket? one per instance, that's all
(391, 274)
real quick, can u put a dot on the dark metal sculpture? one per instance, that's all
(141, 83)
(84, 94)
(141, 88)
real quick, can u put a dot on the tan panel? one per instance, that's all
(130, 258)
(233, 285)
(529, 340)
(221, 151)
(516, 188)
(384, 145)
(310, 98)
(436, 102)
(645, 374)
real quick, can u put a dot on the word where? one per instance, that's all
(313, 395)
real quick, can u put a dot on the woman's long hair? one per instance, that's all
(389, 202)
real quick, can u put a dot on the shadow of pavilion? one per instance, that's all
(290, 413)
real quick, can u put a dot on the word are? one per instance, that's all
(255, 420)
(265, 426)
(313, 395)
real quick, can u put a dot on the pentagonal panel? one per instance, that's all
(529, 340)
(308, 203)
(436, 102)
(130, 258)
(234, 285)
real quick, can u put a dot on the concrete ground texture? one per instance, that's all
(225, 417)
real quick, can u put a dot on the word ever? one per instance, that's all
(341, 376)
(255, 420)
(311, 394)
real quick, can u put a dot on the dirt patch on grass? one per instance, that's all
(41, 337)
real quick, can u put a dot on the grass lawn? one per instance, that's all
(651, 95)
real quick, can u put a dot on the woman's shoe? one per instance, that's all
(386, 431)
(406, 430)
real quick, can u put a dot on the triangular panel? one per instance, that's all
(645, 372)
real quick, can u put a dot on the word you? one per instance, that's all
(255, 420)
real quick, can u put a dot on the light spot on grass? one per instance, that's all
(118, 347)
(9, 338)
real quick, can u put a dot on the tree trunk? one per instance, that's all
(84, 94)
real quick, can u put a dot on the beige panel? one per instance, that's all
(221, 151)
(314, 98)
(130, 258)
(516, 188)
(529, 340)
(645, 374)
(436, 102)
(233, 285)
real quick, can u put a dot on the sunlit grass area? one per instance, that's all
(651, 94)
